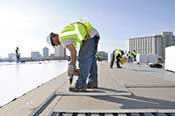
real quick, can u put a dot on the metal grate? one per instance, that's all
(111, 114)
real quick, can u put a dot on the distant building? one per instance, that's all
(45, 52)
(152, 44)
(11, 57)
(102, 55)
(52, 55)
(35, 55)
(60, 51)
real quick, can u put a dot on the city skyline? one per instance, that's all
(27, 23)
(42, 53)
(60, 54)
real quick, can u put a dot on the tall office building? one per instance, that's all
(152, 44)
(60, 51)
(45, 52)
(35, 55)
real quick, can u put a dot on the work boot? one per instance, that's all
(110, 66)
(78, 89)
(74, 89)
(91, 85)
(119, 67)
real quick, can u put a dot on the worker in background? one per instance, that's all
(98, 57)
(17, 55)
(134, 54)
(130, 56)
(83, 35)
(112, 60)
(116, 56)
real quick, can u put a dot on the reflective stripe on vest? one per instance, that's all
(88, 25)
(75, 31)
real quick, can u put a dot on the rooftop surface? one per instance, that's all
(134, 89)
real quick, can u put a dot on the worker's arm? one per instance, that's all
(72, 54)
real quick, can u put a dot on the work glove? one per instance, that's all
(71, 70)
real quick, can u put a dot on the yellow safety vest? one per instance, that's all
(130, 54)
(88, 25)
(116, 52)
(134, 53)
(76, 31)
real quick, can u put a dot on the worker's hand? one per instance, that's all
(71, 70)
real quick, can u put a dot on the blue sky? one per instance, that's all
(27, 23)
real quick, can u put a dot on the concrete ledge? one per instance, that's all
(150, 85)
(92, 94)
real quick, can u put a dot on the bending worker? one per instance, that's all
(83, 35)
(116, 56)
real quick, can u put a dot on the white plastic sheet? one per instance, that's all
(142, 58)
(170, 58)
(153, 59)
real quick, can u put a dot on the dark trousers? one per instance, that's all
(87, 62)
(117, 62)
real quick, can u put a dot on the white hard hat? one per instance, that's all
(49, 37)
(48, 40)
